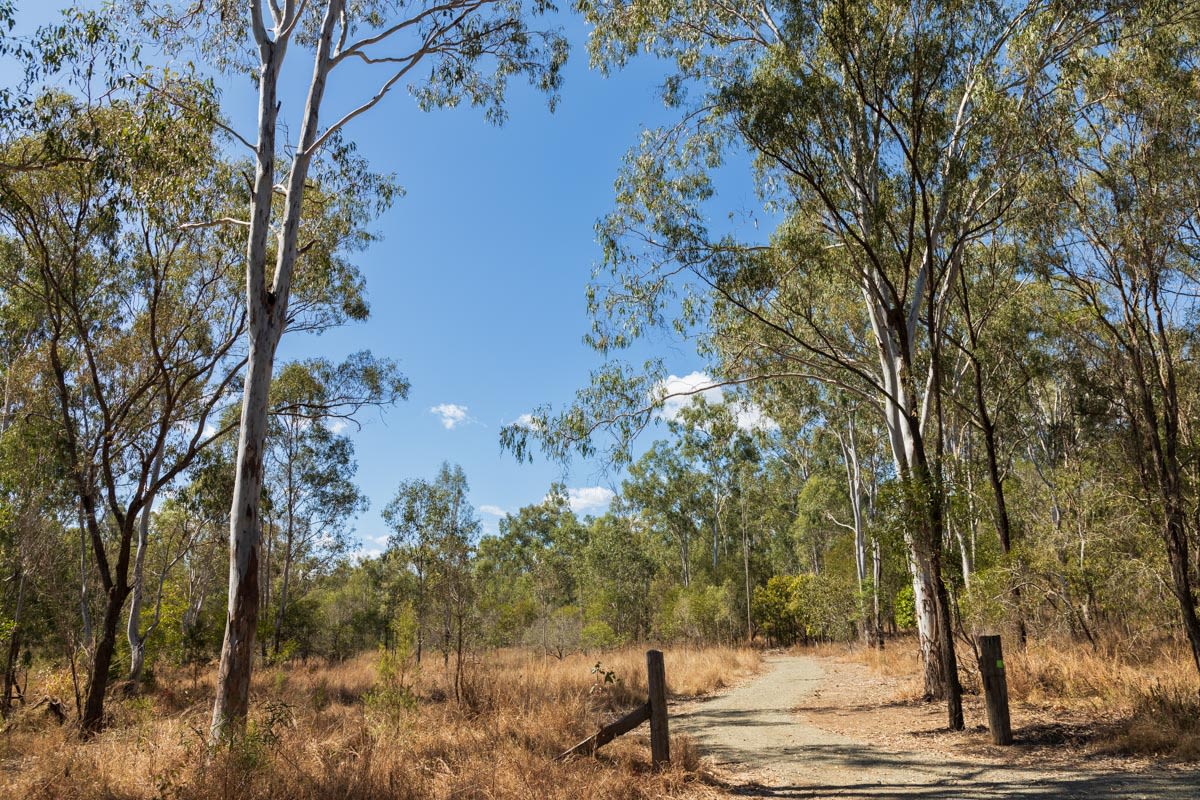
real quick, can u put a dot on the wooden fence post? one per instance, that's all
(995, 688)
(660, 740)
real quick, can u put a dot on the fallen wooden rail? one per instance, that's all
(609, 732)
(654, 710)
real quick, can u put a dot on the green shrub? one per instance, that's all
(599, 636)
(392, 697)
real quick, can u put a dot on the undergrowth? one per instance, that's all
(371, 728)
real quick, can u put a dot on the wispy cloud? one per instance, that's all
(451, 414)
(495, 511)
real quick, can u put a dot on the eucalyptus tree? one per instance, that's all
(670, 495)
(888, 139)
(30, 528)
(309, 466)
(532, 560)
(135, 316)
(718, 440)
(446, 53)
(616, 568)
(860, 445)
(30, 494)
(434, 534)
(1007, 334)
(178, 534)
(813, 416)
(136, 336)
(1126, 247)
(710, 438)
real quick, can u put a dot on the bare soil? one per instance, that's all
(817, 727)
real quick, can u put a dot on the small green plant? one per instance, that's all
(320, 695)
(140, 708)
(392, 696)
(251, 748)
(287, 652)
(603, 678)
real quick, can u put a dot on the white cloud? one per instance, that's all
(338, 425)
(685, 389)
(749, 416)
(495, 511)
(452, 415)
(589, 499)
(371, 546)
(527, 422)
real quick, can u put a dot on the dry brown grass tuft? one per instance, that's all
(321, 731)
(1165, 722)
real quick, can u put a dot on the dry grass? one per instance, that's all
(1150, 699)
(323, 731)
(1143, 702)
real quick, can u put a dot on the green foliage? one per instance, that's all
(774, 610)
(806, 607)
(701, 613)
(599, 635)
(403, 629)
(827, 606)
(616, 573)
(1043, 300)
(905, 609)
(559, 633)
(986, 606)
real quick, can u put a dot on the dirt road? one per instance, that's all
(754, 732)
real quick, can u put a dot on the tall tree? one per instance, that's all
(137, 339)
(470, 48)
(888, 140)
(310, 469)
(435, 532)
(1127, 250)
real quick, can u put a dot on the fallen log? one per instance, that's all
(609, 732)
(54, 708)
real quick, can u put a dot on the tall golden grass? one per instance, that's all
(1147, 699)
(350, 730)
(1150, 699)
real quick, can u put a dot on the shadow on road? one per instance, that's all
(879, 775)
(754, 728)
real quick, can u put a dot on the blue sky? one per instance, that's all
(477, 287)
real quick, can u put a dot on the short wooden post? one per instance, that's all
(660, 739)
(995, 688)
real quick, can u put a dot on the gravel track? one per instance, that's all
(753, 732)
